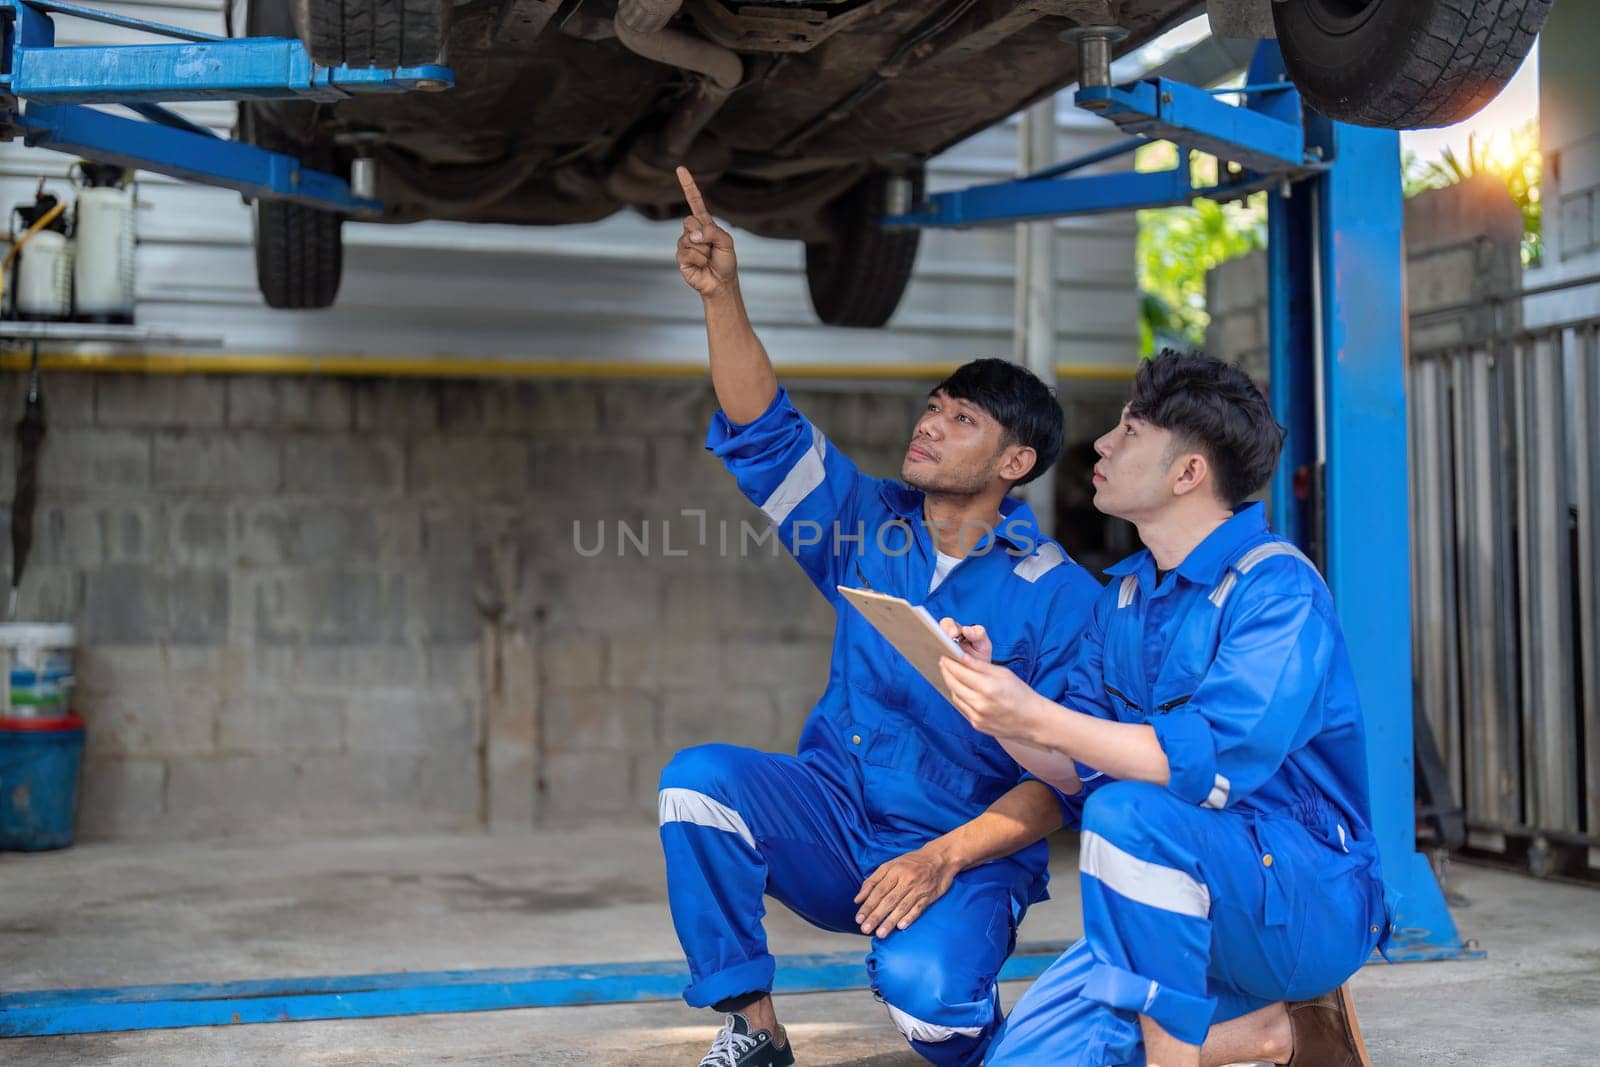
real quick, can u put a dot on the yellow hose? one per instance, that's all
(46, 219)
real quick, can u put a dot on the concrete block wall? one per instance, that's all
(1463, 246)
(1236, 297)
(327, 606)
(1569, 135)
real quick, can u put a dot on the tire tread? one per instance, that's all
(376, 33)
(1466, 53)
(859, 280)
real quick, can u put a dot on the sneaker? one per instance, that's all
(736, 1046)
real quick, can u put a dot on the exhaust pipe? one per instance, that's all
(641, 28)
(721, 66)
(646, 16)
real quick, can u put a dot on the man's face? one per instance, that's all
(1137, 469)
(956, 448)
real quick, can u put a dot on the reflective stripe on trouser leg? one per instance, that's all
(938, 976)
(1277, 907)
(947, 1046)
(1146, 908)
(714, 802)
(921, 1030)
(711, 872)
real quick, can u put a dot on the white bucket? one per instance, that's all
(36, 658)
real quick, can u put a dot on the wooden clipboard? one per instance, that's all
(910, 629)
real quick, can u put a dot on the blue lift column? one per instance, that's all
(1337, 338)
(1355, 383)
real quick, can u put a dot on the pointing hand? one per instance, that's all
(705, 251)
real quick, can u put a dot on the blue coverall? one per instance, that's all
(885, 764)
(1252, 876)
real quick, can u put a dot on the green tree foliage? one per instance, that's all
(1177, 245)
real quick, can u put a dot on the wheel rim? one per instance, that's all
(1341, 16)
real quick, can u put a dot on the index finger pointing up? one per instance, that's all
(691, 193)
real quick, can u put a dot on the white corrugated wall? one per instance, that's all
(603, 292)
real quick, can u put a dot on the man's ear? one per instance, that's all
(1194, 471)
(1015, 462)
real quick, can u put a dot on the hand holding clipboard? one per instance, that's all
(910, 629)
(924, 643)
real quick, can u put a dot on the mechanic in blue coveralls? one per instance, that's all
(897, 819)
(1209, 741)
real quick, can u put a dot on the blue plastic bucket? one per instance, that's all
(39, 761)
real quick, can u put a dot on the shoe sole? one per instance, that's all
(1347, 1005)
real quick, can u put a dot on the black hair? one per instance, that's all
(1214, 408)
(1024, 406)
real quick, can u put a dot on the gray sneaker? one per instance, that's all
(736, 1046)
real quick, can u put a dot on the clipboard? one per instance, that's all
(910, 629)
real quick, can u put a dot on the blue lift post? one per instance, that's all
(1337, 334)
(1341, 490)
(44, 90)
(1360, 263)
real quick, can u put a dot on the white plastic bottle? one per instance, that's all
(44, 278)
(104, 267)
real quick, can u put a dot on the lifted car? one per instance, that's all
(802, 119)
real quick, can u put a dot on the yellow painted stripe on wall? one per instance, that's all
(156, 362)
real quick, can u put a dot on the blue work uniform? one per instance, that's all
(885, 763)
(1252, 876)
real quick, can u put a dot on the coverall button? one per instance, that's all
(1266, 861)
(855, 739)
(1374, 929)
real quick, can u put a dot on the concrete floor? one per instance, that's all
(108, 915)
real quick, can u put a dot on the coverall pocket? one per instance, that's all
(875, 671)
(1335, 935)
(1287, 859)
(1122, 702)
(1174, 685)
(1172, 700)
(1261, 929)
(1003, 926)
(911, 785)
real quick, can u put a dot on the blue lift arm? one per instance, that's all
(1268, 144)
(1337, 341)
(197, 157)
(44, 90)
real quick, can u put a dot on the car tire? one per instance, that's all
(371, 33)
(858, 278)
(299, 255)
(299, 250)
(1404, 64)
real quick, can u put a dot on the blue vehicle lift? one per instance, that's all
(45, 91)
(1337, 362)
(1337, 343)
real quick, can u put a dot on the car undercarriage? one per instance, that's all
(800, 118)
